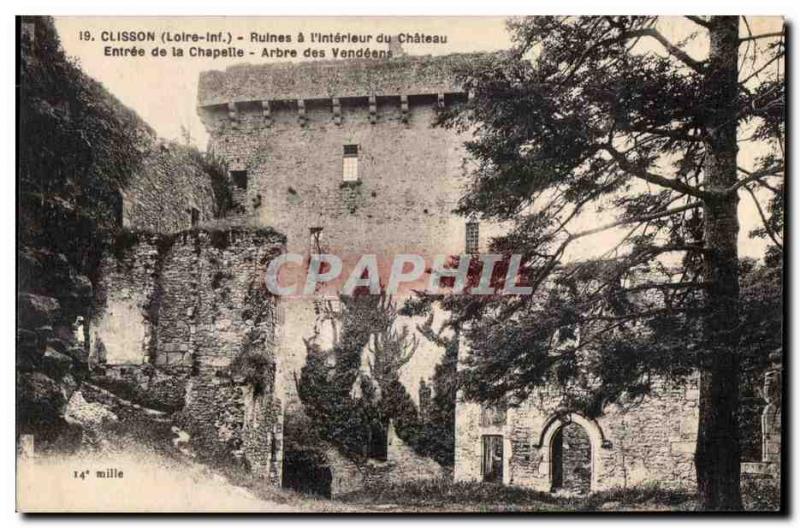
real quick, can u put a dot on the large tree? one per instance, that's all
(349, 402)
(607, 117)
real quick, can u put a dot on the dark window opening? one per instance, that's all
(239, 178)
(473, 237)
(195, 216)
(377, 446)
(316, 239)
(273, 447)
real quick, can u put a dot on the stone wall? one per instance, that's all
(171, 192)
(402, 464)
(646, 441)
(771, 424)
(192, 305)
(405, 464)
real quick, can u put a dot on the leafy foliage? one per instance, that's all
(435, 435)
(80, 146)
(351, 403)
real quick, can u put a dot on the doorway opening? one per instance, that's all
(492, 461)
(572, 459)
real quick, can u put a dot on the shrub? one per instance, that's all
(761, 494)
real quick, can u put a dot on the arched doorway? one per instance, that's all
(570, 445)
(571, 459)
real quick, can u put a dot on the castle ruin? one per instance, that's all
(341, 157)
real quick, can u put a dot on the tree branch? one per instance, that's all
(667, 286)
(700, 21)
(661, 181)
(777, 56)
(751, 176)
(671, 48)
(638, 219)
(764, 218)
(763, 35)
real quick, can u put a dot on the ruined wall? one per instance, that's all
(201, 315)
(172, 182)
(402, 464)
(405, 464)
(651, 440)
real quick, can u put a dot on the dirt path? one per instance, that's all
(144, 482)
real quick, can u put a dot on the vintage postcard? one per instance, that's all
(400, 264)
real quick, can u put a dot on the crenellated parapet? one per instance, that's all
(335, 86)
(410, 75)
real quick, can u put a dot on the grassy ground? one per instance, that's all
(445, 496)
(152, 466)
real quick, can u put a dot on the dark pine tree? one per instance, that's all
(590, 115)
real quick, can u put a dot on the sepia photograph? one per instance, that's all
(395, 264)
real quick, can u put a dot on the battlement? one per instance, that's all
(315, 80)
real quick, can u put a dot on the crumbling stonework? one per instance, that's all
(402, 464)
(171, 192)
(194, 304)
(405, 464)
(646, 441)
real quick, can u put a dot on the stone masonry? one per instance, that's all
(651, 440)
(285, 129)
(171, 192)
(193, 306)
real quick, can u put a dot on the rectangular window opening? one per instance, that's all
(350, 163)
(239, 178)
(473, 237)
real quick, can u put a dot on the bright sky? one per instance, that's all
(163, 91)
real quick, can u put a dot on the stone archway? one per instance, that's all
(554, 432)
(571, 459)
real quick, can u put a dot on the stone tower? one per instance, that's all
(342, 157)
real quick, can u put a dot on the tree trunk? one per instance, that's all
(717, 457)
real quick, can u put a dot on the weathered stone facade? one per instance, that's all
(402, 464)
(285, 131)
(193, 305)
(651, 440)
(171, 192)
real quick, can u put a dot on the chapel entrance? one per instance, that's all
(572, 459)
